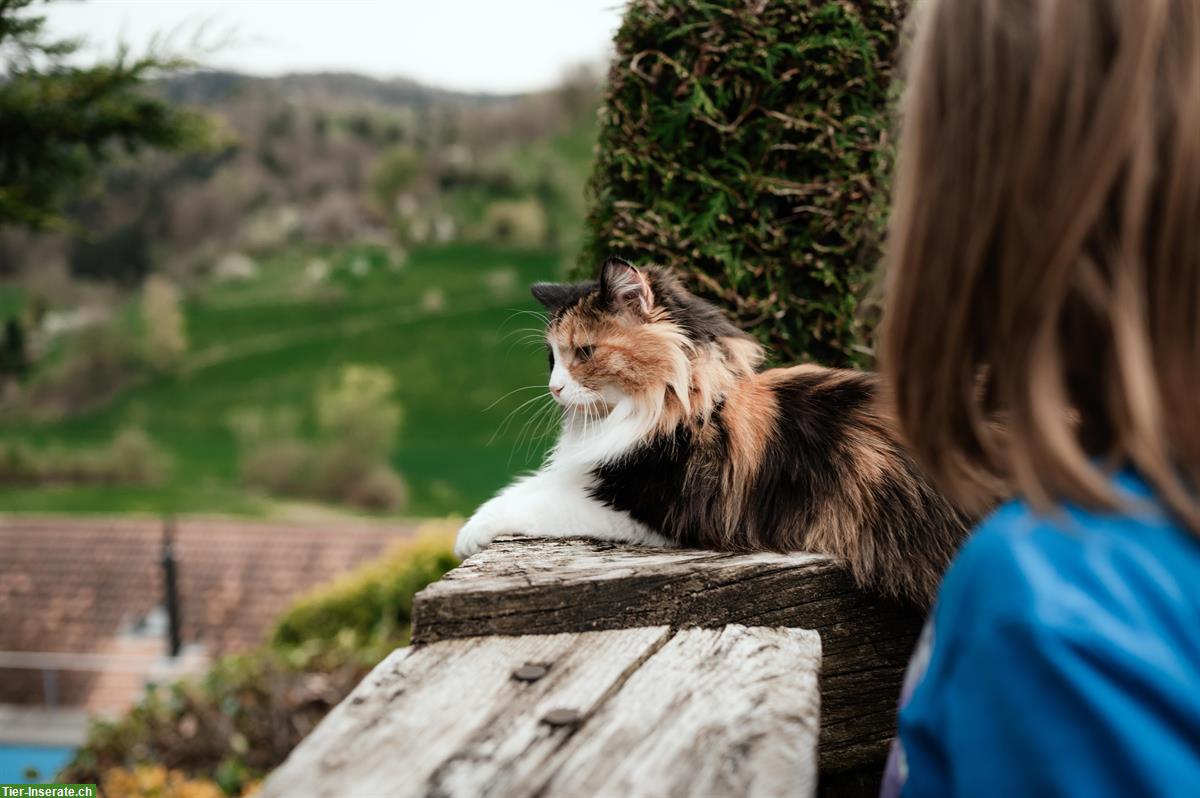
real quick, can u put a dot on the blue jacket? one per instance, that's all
(1062, 659)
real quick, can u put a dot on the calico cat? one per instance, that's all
(671, 435)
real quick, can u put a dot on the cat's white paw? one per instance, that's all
(474, 536)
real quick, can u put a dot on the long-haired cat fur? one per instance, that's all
(672, 435)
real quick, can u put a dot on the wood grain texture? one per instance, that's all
(422, 710)
(651, 713)
(715, 712)
(525, 586)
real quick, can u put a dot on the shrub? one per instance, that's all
(19, 464)
(166, 336)
(745, 146)
(272, 457)
(122, 255)
(377, 487)
(395, 172)
(99, 363)
(282, 467)
(155, 781)
(375, 602)
(358, 409)
(357, 421)
(232, 726)
(130, 458)
(14, 355)
(334, 216)
(520, 222)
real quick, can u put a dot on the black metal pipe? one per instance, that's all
(171, 587)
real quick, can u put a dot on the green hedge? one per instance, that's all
(373, 604)
(746, 145)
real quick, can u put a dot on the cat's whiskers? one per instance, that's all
(594, 441)
(589, 422)
(510, 393)
(544, 427)
(533, 330)
(531, 337)
(505, 422)
(584, 423)
(544, 416)
(533, 427)
(524, 431)
(530, 334)
(582, 417)
(541, 317)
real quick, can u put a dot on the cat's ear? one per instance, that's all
(624, 285)
(553, 295)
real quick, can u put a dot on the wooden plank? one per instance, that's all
(526, 586)
(421, 707)
(639, 712)
(715, 712)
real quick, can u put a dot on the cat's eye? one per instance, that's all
(584, 353)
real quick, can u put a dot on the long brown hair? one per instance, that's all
(1042, 316)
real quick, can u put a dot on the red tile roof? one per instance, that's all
(71, 585)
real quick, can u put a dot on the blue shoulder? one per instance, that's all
(1062, 658)
(1073, 566)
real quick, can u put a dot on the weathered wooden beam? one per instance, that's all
(635, 712)
(540, 586)
(732, 711)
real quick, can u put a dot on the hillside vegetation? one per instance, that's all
(201, 334)
(445, 323)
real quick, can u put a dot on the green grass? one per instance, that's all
(12, 300)
(270, 342)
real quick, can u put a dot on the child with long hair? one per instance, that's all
(1042, 332)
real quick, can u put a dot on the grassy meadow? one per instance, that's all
(445, 320)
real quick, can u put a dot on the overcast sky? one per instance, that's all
(470, 45)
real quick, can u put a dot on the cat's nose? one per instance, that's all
(556, 390)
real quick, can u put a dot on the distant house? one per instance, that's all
(83, 619)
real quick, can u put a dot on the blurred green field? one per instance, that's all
(446, 321)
